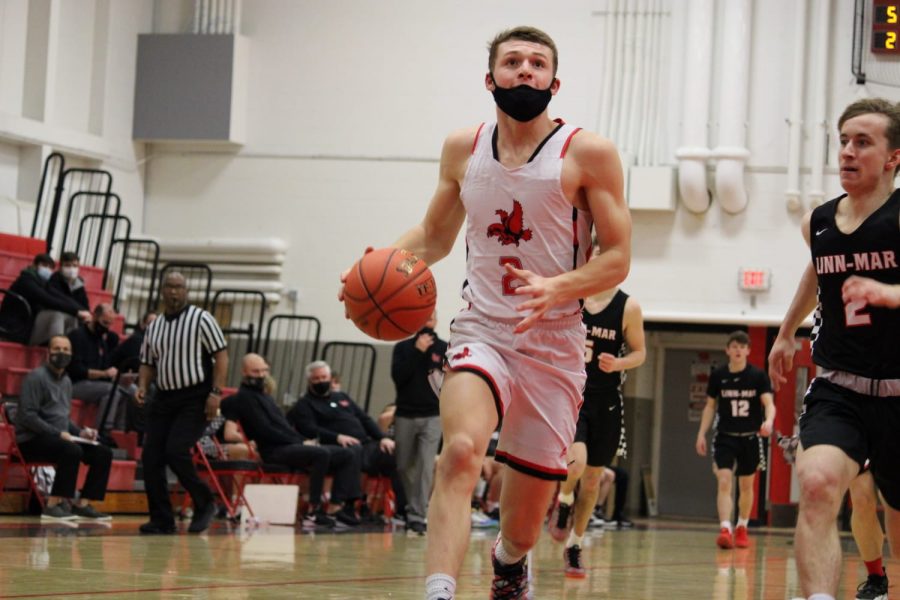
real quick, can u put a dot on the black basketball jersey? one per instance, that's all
(856, 337)
(605, 333)
(737, 395)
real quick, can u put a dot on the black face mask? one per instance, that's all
(100, 329)
(256, 383)
(60, 360)
(522, 103)
(427, 330)
(320, 388)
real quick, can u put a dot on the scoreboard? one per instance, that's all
(886, 26)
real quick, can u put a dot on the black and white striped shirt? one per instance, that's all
(179, 347)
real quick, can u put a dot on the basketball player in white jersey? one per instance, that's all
(852, 409)
(529, 189)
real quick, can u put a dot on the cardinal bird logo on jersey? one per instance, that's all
(464, 354)
(511, 228)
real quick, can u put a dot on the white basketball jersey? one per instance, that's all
(521, 217)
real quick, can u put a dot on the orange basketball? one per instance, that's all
(390, 294)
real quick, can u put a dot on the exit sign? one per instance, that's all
(754, 280)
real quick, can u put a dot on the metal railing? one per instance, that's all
(356, 364)
(131, 273)
(240, 314)
(291, 343)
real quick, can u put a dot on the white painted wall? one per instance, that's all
(348, 105)
(83, 73)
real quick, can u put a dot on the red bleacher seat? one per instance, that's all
(22, 244)
(17, 355)
(11, 380)
(83, 415)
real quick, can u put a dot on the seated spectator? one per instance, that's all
(44, 433)
(336, 420)
(92, 374)
(126, 358)
(66, 282)
(51, 313)
(279, 443)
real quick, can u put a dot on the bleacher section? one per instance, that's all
(16, 361)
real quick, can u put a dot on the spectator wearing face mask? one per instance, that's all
(91, 370)
(51, 313)
(65, 281)
(45, 433)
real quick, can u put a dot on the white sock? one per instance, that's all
(743, 522)
(566, 498)
(574, 540)
(503, 555)
(726, 525)
(821, 597)
(438, 586)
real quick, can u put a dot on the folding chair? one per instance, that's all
(241, 471)
(11, 455)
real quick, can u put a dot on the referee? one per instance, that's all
(184, 351)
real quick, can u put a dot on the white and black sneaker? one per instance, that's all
(875, 587)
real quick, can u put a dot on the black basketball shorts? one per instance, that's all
(600, 426)
(741, 454)
(864, 427)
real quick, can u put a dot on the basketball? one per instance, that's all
(390, 294)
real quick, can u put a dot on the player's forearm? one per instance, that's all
(705, 421)
(803, 303)
(604, 272)
(633, 359)
(424, 247)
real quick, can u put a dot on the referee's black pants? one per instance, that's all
(175, 421)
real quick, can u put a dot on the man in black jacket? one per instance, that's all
(51, 313)
(91, 368)
(65, 281)
(279, 443)
(417, 371)
(335, 419)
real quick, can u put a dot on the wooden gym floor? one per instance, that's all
(657, 559)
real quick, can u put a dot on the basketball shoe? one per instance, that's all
(560, 521)
(725, 541)
(511, 582)
(574, 566)
(741, 537)
(875, 587)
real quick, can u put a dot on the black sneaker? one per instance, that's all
(560, 521)
(418, 527)
(202, 518)
(318, 519)
(875, 587)
(57, 512)
(572, 559)
(346, 516)
(511, 582)
(89, 512)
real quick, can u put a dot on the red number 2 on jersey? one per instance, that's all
(507, 282)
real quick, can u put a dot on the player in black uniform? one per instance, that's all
(614, 344)
(852, 409)
(736, 396)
